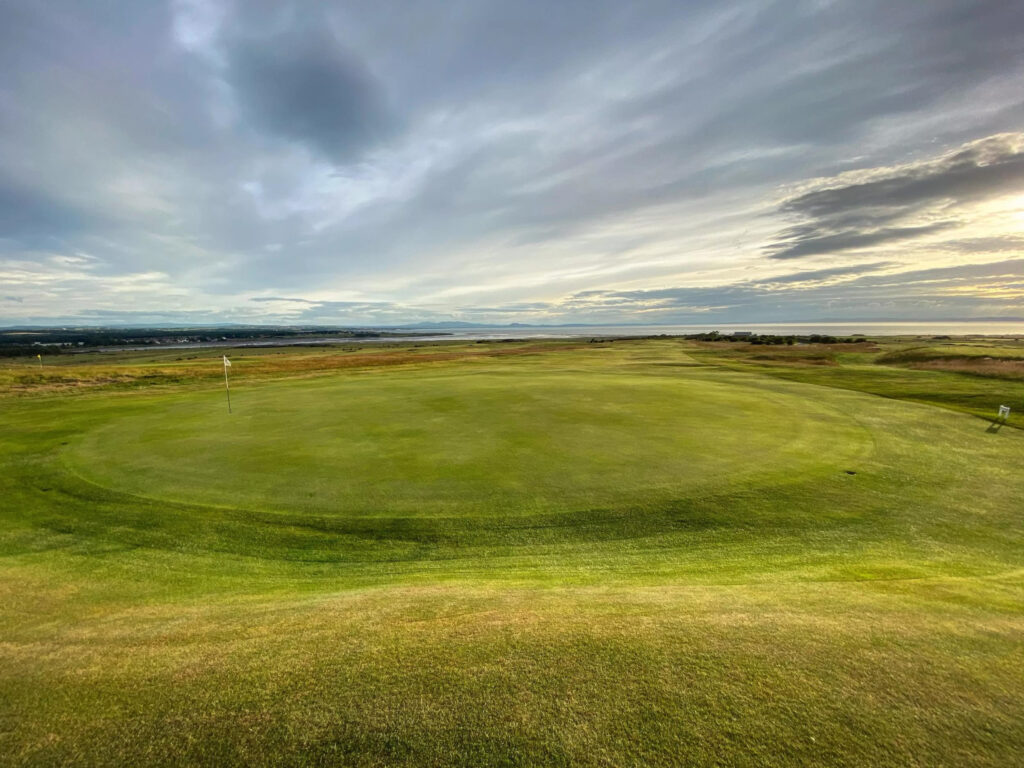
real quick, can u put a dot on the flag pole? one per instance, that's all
(227, 389)
(40, 360)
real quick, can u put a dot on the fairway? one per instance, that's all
(589, 554)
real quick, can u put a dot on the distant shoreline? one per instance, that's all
(580, 332)
(74, 341)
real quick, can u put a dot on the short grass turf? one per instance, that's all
(611, 555)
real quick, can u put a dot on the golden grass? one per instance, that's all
(795, 355)
(68, 378)
(976, 366)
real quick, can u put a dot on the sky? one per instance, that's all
(548, 161)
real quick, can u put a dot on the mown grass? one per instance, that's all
(631, 553)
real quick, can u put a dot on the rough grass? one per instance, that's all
(1004, 361)
(972, 376)
(1002, 369)
(573, 557)
(797, 354)
(68, 373)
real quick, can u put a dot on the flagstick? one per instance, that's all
(227, 389)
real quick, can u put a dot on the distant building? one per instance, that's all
(742, 334)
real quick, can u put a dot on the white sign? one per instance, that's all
(1004, 411)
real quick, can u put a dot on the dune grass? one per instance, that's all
(604, 554)
(971, 375)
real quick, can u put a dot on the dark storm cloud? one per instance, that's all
(31, 217)
(298, 82)
(994, 166)
(860, 213)
(807, 241)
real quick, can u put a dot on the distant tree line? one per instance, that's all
(777, 340)
(22, 350)
(25, 342)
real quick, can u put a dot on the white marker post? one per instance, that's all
(227, 388)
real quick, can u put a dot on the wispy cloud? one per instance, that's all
(837, 294)
(817, 276)
(861, 209)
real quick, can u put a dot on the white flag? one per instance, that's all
(227, 363)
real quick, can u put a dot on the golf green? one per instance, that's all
(481, 444)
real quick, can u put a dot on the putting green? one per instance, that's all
(471, 444)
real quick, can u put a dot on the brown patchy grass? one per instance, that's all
(1000, 363)
(69, 378)
(985, 366)
(795, 355)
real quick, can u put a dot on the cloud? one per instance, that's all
(840, 294)
(297, 81)
(481, 158)
(809, 276)
(284, 298)
(995, 244)
(805, 241)
(856, 210)
(31, 216)
(977, 170)
(958, 292)
(824, 71)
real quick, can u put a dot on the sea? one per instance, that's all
(964, 328)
